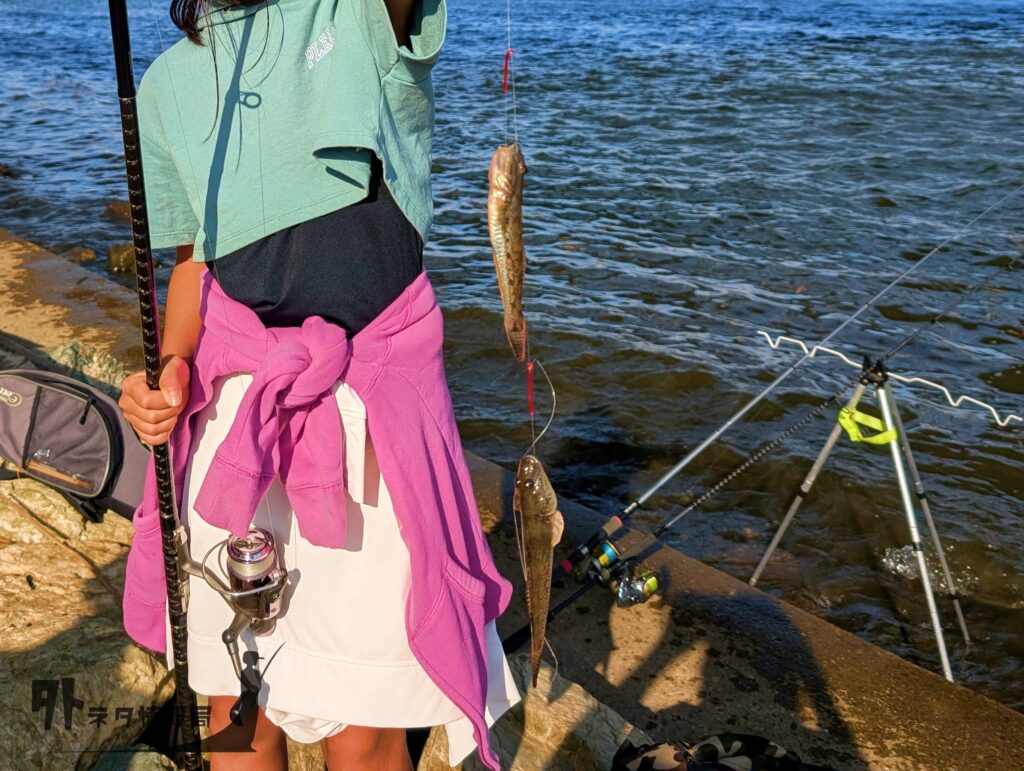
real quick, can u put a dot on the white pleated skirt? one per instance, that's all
(339, 653)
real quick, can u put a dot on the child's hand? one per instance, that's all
(153, 413)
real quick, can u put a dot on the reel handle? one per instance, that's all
(243, 706)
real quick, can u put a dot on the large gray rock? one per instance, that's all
(557, 726)
(63, 647)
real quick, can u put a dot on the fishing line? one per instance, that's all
(509, 79)
(551, 650)
(957, 301)
(508, 85)
(961, 344)
(810, 353)
(674, 471)
(554, 405)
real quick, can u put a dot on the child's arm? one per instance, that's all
(153, 413)
(182, 322)
(400, 12)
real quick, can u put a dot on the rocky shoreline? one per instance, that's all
(712, 655)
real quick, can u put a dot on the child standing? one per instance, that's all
(286, 153)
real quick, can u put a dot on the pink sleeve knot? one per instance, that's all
(287, 424)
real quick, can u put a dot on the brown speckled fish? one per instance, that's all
(505, 225)
(541, 529)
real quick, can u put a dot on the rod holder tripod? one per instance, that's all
(890, 432)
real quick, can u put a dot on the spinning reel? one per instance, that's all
(255, 582)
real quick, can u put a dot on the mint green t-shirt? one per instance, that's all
(273, 120)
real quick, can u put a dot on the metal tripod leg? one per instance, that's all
(888, 407)
(805, 487)
(922, 496)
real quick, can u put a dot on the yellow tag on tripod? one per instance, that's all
(852, 420)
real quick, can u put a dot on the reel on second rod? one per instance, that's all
(630, 584)
(255, 581)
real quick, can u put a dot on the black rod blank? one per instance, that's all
(187, 712)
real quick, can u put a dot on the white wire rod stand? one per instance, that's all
(810, 353)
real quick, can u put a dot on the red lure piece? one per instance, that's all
(506, 69)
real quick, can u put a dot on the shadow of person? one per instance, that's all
(697, 663)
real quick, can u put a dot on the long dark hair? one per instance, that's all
(186, 14)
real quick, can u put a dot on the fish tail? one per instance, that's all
(515, 331)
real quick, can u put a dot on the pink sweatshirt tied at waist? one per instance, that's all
(288, 425)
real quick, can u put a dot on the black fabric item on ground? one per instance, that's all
(346, 266)
(723, 752)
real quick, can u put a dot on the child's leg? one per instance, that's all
(357, 748)
(268, 740)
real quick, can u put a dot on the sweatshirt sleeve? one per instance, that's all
(172, 221)
(430, 18)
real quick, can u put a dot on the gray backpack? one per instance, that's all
(72, 437)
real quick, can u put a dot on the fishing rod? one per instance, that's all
(608, 565)
(186, 715)
(615, 523)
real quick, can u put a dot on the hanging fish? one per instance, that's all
(505, 226)
(535, 503)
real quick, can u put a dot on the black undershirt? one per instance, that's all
(346, 266)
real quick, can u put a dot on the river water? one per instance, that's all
(697, 172)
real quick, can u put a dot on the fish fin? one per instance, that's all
(557, 526)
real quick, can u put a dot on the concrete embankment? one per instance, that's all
(712, 655)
